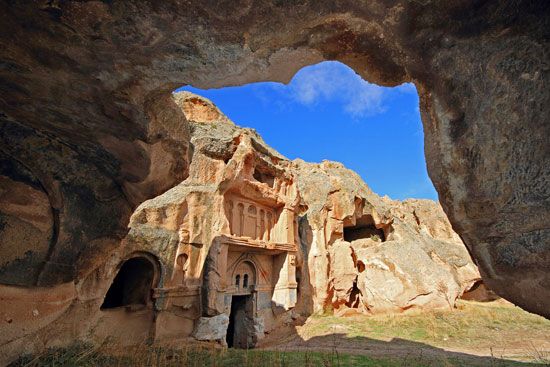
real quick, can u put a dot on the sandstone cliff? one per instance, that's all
(89, 130)
(306, 237)
(358, 251)
(374, 254)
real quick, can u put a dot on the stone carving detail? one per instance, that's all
(182, 265)
(244, 276)
(248, 219)
(292, 260)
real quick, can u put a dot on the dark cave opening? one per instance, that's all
(240, 323)
(132, 285)
(264, 177)
(364, 228)
(479, 292)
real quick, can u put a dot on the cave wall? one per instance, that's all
(88, 131)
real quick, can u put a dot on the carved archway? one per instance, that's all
(245, 275)
(134, 282)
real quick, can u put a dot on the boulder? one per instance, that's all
(211, 328)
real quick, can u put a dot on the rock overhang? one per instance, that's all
(87, 71)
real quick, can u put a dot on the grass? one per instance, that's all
(349, 341)
(471, 325)
(87, 355)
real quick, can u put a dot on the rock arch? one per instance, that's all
(132, 284)
(87, 125)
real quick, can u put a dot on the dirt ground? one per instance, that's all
(486, 334)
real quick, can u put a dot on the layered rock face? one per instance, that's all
(89, 129)
(232, 224)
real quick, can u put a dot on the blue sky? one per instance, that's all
(329, 112)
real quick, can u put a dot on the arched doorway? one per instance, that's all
(240, 332)
(132, 285)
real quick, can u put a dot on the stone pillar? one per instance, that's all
(284, 229)
(285, 290)
(215, 278)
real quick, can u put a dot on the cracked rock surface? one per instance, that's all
(88, 129)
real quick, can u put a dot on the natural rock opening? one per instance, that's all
(264, 177)
(364, 228)
(92, 130)
(132, 284)
(479, 292)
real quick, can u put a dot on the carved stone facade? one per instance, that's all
(226, 244)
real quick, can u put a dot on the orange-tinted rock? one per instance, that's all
(86, 111)
(255, 239)
(88, 120)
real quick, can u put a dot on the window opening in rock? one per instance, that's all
(363, 228)
(247, 276)
(240, 331)
(238, 281)
(264, 177)
(132, 284)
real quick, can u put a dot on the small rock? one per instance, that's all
(212, 328)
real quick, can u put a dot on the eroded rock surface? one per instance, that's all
(357, 251)
(249, 241)
(89, 129)
(212, 328)
(373, 254)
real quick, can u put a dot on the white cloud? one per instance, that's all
(333, 81)
(367, 100)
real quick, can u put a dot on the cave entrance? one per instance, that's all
(241, 323)
(132, 285)
(364, 228)
(264, 177)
